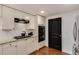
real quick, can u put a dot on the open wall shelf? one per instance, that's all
(19, 20)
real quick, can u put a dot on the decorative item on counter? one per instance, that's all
(23, 33)
(31, 33)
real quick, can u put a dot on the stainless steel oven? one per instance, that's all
(41, 33)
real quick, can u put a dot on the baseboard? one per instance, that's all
(66, 52)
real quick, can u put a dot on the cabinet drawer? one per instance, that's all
(32, 45)
(9, 49)
(0, 49)
(22, 47)
(8, 45)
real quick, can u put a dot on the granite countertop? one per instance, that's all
(14, 40)
(22, 37)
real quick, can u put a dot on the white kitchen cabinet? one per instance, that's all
(32, 45)
(41, 20)
(18, 14)
(31, 18)
(9, 49)
(25, 47)
(0, 10)
(41, 44)
(8, 18)
(22, 47)
(31, 24)
(0, 49)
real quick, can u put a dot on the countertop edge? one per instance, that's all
(17, 40)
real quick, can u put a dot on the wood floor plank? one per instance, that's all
(48, 51)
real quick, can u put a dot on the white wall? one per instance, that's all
(68, 20)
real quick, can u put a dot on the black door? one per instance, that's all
(55, 33)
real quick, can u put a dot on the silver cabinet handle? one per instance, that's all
(75, 31)
(16, 46)
(10, 44)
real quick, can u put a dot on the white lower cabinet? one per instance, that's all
(25, 47)
(21, 47)
(32, 45)
(0, 49)
(9, 49)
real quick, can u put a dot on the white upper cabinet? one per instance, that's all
(18, 14)
(8, 18)
(31, 24)
(41, 20)
(0, 17)
(0, 10)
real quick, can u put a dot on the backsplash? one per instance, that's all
(16, 32)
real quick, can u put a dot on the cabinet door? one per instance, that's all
(31, 24)
(0, 10)
(22, 47)
(8, 18)
(18, 14)
(9, 49)
(32, 45)
(0, 49)
(41, 20)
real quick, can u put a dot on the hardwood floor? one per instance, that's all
(48, 51)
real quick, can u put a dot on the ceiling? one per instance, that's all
(50, 9)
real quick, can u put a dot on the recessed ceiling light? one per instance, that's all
(42, 12)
